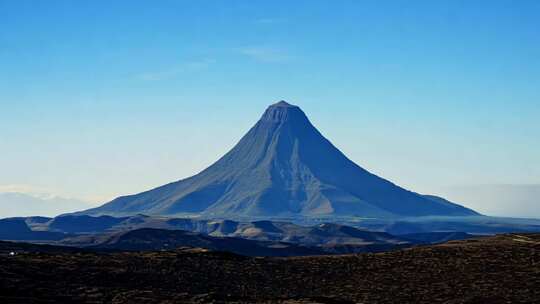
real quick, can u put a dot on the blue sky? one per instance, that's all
(104, 98)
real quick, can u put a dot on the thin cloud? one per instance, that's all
(186, 67)
(265, 54)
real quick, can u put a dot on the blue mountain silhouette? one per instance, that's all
(282, 167)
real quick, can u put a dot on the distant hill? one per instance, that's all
(283, 167)
(160, 239)
(366, 235)
(18, 229)
(149, 233)
(256, 238)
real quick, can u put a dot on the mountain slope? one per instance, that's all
(282, 167)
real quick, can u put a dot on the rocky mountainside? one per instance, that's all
(283, 167)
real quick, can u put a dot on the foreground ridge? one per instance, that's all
(498, 269)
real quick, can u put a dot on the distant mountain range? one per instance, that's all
(283, 167)
(25, 204)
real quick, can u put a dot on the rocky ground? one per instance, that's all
(499, 269)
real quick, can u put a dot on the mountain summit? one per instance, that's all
(282, 167)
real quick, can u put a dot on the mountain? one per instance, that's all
(283, 167)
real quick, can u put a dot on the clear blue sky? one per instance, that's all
(104, 98)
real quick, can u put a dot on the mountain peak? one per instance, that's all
(283, 111)
(283, 103)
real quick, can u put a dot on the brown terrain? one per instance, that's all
(498, 269)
